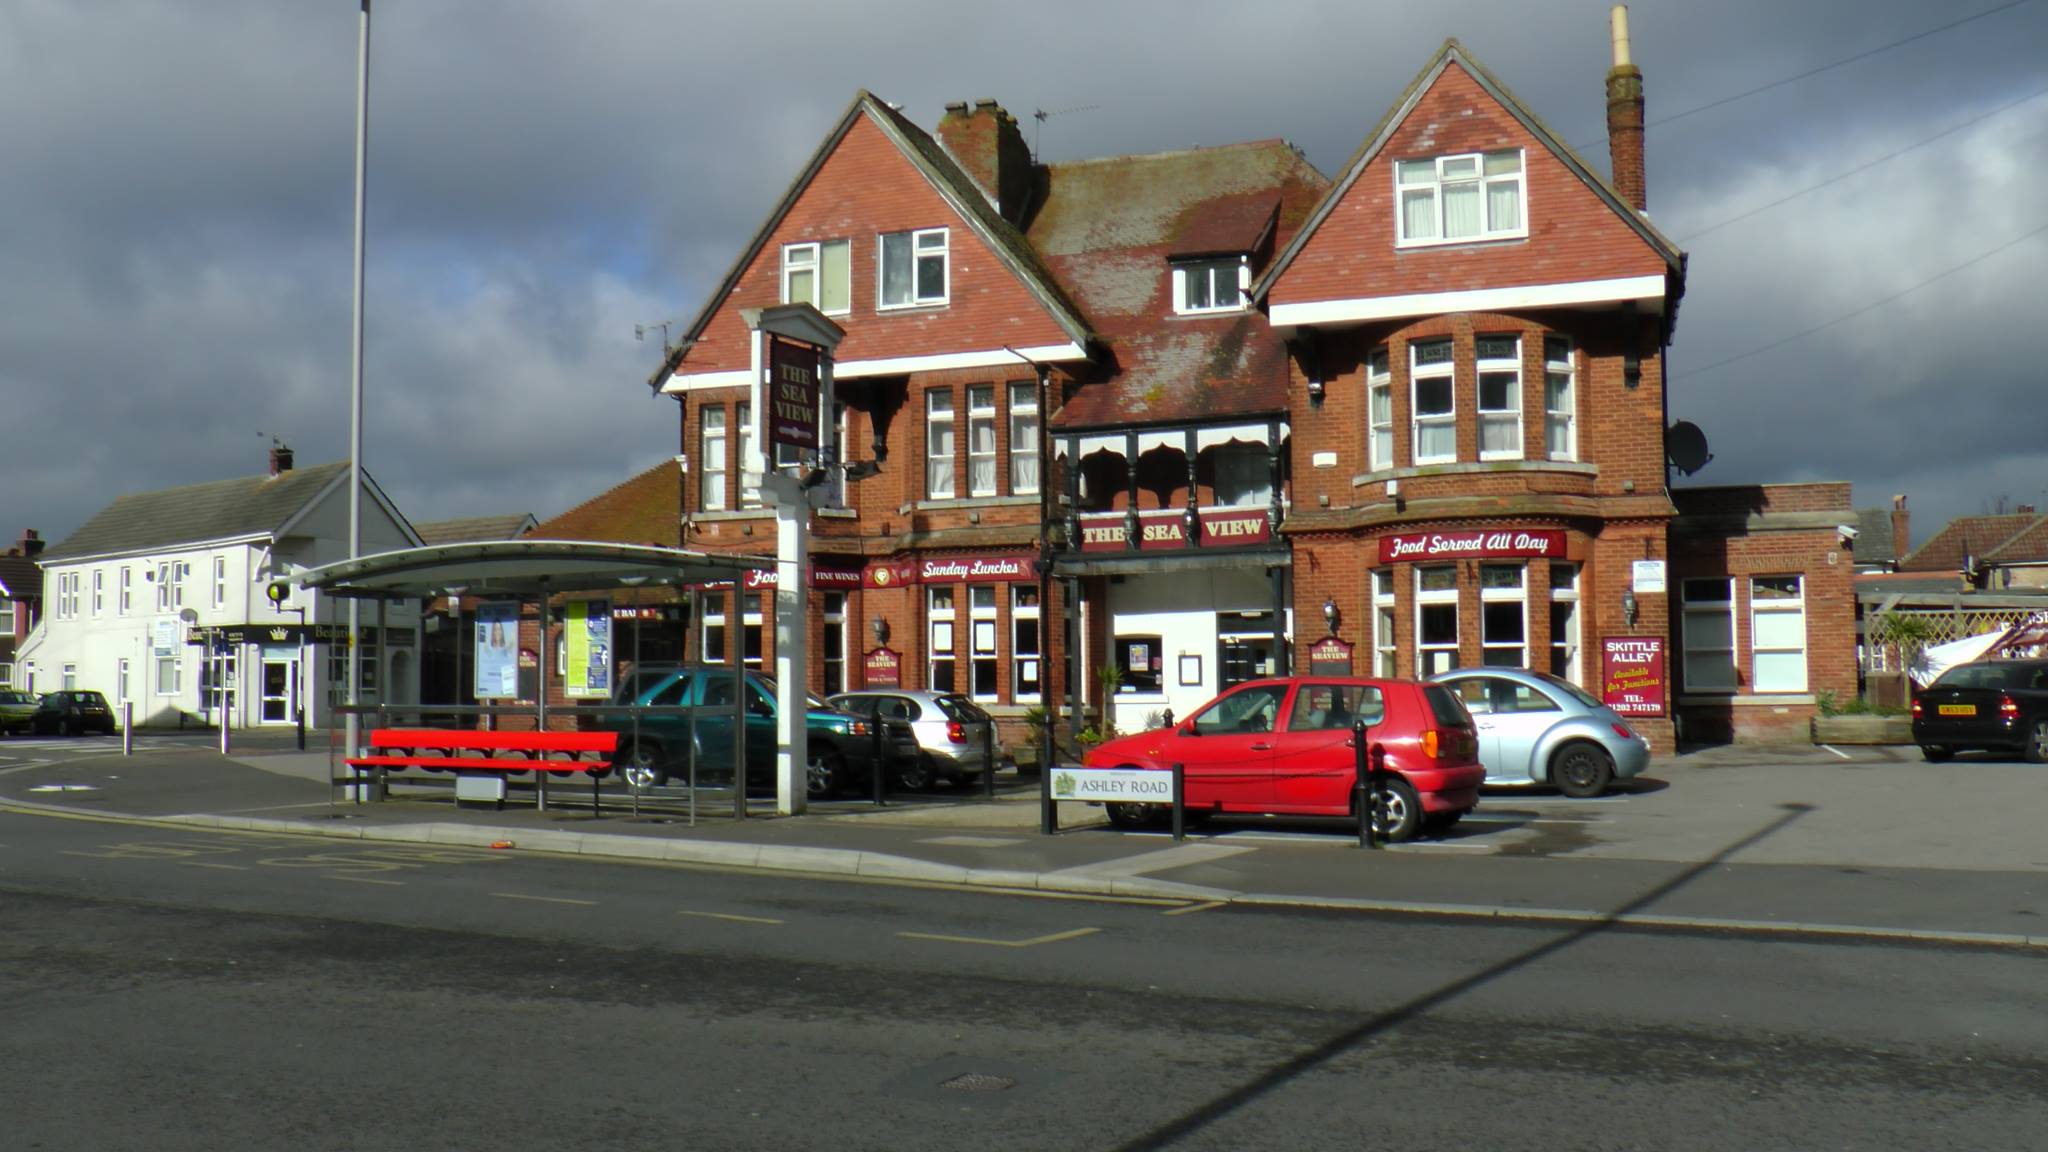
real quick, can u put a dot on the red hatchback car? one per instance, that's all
(1285, 746)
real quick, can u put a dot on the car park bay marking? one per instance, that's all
(1035, 941)
(363, 879)
(544, 899)
(1838, 752)
(729, 917)
(211, 864)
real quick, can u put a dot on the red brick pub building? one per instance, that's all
(1205, 415)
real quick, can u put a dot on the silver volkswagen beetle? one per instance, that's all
(1535, 728)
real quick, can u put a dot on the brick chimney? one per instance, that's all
(987, 144)
(1900, 538)
(30, 544)
(2024, 509)
(1625, 116)
(280, 459)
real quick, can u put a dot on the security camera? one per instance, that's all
(1846, 531)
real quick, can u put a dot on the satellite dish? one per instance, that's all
(1686, 447)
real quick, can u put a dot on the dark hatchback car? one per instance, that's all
(73, 713)
(1994, 705)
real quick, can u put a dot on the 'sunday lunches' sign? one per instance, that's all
(1483, 544)
(1118, 785)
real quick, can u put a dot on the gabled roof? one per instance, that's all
(1873, 543)
(2029, 546)
(646, 509)
(955, 186)
(1109, 227)
(476, 528)
(1451, 53)
(243, 508)
(1977, 536)
(20, 579)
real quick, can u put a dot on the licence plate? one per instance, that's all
(1957, 710)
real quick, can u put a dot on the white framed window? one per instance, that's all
(6, 619)
(1472, 196)
(70, 678)
(751, 631)
(1386, 661)
(1709, 633)
(1435, 404)
(835, 643)
(121, 680)
(99, 592)
(169, 682)
(1503, 616)
(163, 586)
(67, 596)
(981, 440)
(711, 459)
(1210, 285)
(1777, 634)
(982, 645)
(1026, 665)
(820, 274)
(126, 595)
(750, 494)
(1023, 438)
(713, 628)
(1436, 619)
(939, 447)
(1379, 394)
(6, 674)
(1564, 621)
(220, 581)
(1500, 397)
(1560, 400)
(912, 269)
(944, 640)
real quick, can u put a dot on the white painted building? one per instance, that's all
(160, 601)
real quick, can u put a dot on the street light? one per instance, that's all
(354, 723)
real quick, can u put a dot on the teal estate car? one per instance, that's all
(842, 745)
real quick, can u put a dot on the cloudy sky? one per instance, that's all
(544, 175)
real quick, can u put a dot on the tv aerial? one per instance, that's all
(1041, 116)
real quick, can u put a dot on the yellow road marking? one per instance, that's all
(545, 899)
(1033, 942)
(211, 864)
(1194, 908)
(729, 916)
(363, 879)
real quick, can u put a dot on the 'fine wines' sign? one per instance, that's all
(1484, 544)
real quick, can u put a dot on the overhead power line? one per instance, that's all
(1838, 178)
(1871, 307)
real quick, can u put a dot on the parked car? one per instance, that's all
(947, 726)
(842, 748)
(1995, 705)
(73, 713)
(1286, 746)
(1535, 728)
(16, 711)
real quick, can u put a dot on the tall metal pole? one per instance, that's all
(354, 724)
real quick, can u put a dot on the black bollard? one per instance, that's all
(1361, 759)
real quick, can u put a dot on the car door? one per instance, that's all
(1315, 758)
(1476, 694)
(1522, 716)
(1226, 749)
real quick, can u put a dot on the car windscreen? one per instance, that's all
(961, 709)
(1560, 684)
(1994, 676)
(1444, 704)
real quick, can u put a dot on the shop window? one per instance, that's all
(711, 461)
(1777, 634)
(912, 268)
(1140, 659)
(1435, 405)
(1385, 660)
(981, 610)
(1709, 627)
(1023, 438)
(819, 274)
(1243, 475)
(1560, 411)
(1436, 619)
(366, 667)
(1474, 196)
(1379, 387)
(1564, 621)
(981, 440)
(943, 641)
(938, 439)
(1025, 618)
(1500, 397)
(835, 643)
(1503, 616)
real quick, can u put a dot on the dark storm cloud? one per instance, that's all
(546, 175)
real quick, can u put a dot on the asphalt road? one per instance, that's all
(167, 990)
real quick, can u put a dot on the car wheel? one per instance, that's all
(1581, 770)
(639, 763)
(916, 774)
(1396, 810)
(2037, 744)
(823, 773)
(1132, 817)
(1936, 753)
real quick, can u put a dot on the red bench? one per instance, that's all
(500, 753)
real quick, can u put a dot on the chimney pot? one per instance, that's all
(988, 146)
(1625, 117)
(956, 108)
(280, 459)
(31, 543)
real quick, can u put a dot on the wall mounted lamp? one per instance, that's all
(1628, 606)
(880, 628)
(1330, 614)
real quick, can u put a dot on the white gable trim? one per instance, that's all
(894, 366)
(1361, 309)
(370, 486)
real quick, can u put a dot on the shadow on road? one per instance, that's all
(1198, 1118)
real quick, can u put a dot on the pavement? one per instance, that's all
(1869, 843)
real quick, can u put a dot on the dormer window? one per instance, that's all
(1473, 196)
(1210, 285)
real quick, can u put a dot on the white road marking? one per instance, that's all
(363, 880)
(1054, 938)
(972, 841)
(737, 919)
(544, 899)
(1159, 861)
(1838, 752)
(1204, 907)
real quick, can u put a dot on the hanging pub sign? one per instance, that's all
(1632, 674)
(882, 669)
(1483, 544)
(1329, 657)
(792, 394)
(1166, 528)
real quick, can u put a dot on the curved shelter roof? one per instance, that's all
(523, 568)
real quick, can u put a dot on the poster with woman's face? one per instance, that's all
(497, 656)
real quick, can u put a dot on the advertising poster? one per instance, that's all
(497, 651)
(1632, 675)
(588, 625)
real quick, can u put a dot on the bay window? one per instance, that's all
(1436, 619)
(1434, 404)
(981, 440)
(750, 494)
(1564, 620)
(1503, 616)
(1500, 397)
(938, 439)
(1023, 438)
(1472, 196)
(711, 459)
(1560, 431)
(1385, 663)
(1379, 389)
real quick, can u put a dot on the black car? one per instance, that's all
(73, 713)
(1996, 705)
